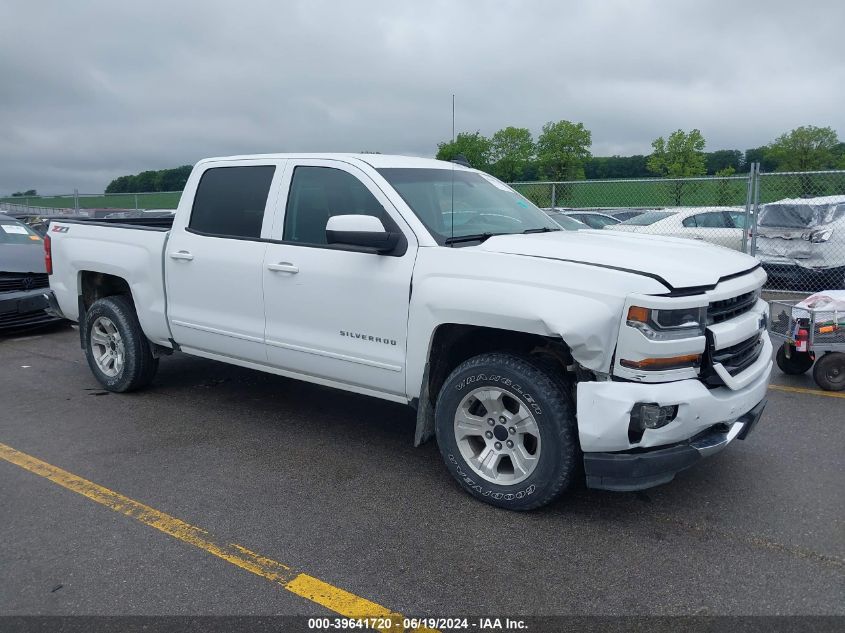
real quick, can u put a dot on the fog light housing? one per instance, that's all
(649, 415)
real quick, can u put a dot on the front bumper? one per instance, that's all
(604, 408)
(805, 277)
(28, 308)
(647, 468)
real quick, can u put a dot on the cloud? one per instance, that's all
(93, 90)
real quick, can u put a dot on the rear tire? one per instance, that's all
(528, 455)
(829, 372)
(797, 363)
(118, 352)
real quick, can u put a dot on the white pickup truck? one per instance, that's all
(529, 351)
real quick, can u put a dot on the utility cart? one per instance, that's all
(811, 332)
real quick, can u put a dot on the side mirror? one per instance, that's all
(365, 231)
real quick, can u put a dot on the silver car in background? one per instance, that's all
(801, 242)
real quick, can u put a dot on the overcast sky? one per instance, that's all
(94, 90)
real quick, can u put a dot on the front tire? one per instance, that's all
(116, 348)
(507, 431)
(797, 363)
(829, 372)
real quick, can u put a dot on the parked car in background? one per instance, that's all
(801, 242)
(624, 214)
(37, 223)
(158, 213)
(564, 221)
(24, 287)
(593, 219)
(718, 225)
(139, 213)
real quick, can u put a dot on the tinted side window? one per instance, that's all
(230, 201)
(690, 222)
(738, 219)
(710, 220)
(318, 193)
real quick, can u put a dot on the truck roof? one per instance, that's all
(376, 161)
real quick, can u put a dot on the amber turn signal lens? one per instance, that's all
(636, 313)
(653, 364)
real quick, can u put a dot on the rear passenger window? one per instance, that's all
(738, 219)
(715, 220)
(318, 193)
(230, 201)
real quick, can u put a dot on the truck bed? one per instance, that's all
(129, 249)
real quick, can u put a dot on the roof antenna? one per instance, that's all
(460, 159)
(453, 117)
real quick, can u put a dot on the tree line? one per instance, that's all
(162, 180)
(562, 152)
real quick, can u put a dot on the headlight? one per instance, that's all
(817, 237)
(667, 325)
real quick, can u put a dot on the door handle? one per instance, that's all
(181, 255)
(283, 267)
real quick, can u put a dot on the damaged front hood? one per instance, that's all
(675, 262)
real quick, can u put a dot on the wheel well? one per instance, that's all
(93, 286)
(452, 344)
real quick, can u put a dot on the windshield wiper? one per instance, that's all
(544, 229)
(477, 237)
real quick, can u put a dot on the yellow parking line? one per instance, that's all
(815, 392)
(313, 589)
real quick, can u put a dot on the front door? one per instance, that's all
(333, 312)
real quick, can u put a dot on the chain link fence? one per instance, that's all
(90, 205)
(794, 223)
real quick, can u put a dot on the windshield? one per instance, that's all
(567, 223)
(800, 216)
(454, 203)
(649, 217)
(13, 232)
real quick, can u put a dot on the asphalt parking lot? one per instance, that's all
(329, 484)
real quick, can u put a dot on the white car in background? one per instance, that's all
(801, 241)
(564, 221)
(593, 219)
(723, 226)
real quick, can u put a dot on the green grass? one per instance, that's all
(663, 193)
(584, 193)
(168, 200)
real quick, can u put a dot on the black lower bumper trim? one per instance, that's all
(751, 419)
(646, 469)
(636, 471)
(26, 309)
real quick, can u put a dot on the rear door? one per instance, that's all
(332, 311)
(214, 259)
